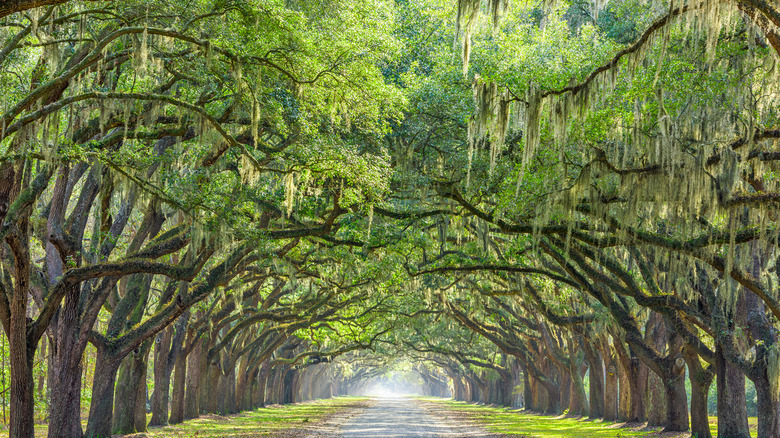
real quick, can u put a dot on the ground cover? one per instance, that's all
(274, 420)
(290, 420)
(509, 421)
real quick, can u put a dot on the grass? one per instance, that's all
(515, 422)
(260, 422)
(752, 423)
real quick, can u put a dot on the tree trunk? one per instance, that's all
(676, 398)
(192, 399)
(764, 334)
(578, 404)
(596, 380)
(506, 384)
(100, 408)
(611, 394)
(142, 396)
(553, 399)
(638, 386)
(123, 421)
(204, 380)
(263, 383)
(230, 391)
(21, 353)
(528, 396)
(656, 336)
(701, 380)
(179, 379)
(242, 379)
(162, 378)
(768, 409)
(22, 384)
(131, 376)
(457, 389)
(624, 386)
(610, 382)
(566, 392)
(246, 400)
(212, 400)
(732, 405)
(656, 400)
(65, 420)
(222, 394)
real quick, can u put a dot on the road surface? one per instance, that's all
(401, 417)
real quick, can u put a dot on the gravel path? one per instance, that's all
(400, 417)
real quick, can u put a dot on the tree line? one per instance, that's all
(236, 197)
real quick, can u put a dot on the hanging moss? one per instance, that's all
(532, 132)
(468, 14)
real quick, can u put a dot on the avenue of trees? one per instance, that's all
(213, 205)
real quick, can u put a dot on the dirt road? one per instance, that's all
(402, 417)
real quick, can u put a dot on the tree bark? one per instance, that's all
(192, 399)
(222, 393)
(676, 398)
(765, 335)
(230, 390)
(131, 376)
(768, 409)
(20, 349)
(700, 379)
(211, 388)
(162, 378)
(22, 386)
(123, 420)
(528, 396)
(578, 404)
(179, 379)
(610, 382)
(656, 400)
(66, 398)
(596, 380)
(624, 388)
(732, 404)
(101, 406)
(263, 383)
(638, 386)
(656, 336)
(13, 6)
(141, 398)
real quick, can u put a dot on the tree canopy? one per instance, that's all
(264, 201)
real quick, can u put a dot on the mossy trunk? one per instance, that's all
(768, 409)
(212, 390)
(700, 388)
(656, 400)
(179, 382)
(65, 420)
(676, 397)
(732, 404)
(162, 378)
(127, 392)
(140, 402)
(638, 386)
(191, 396)
(101, 407)
(596, 381)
